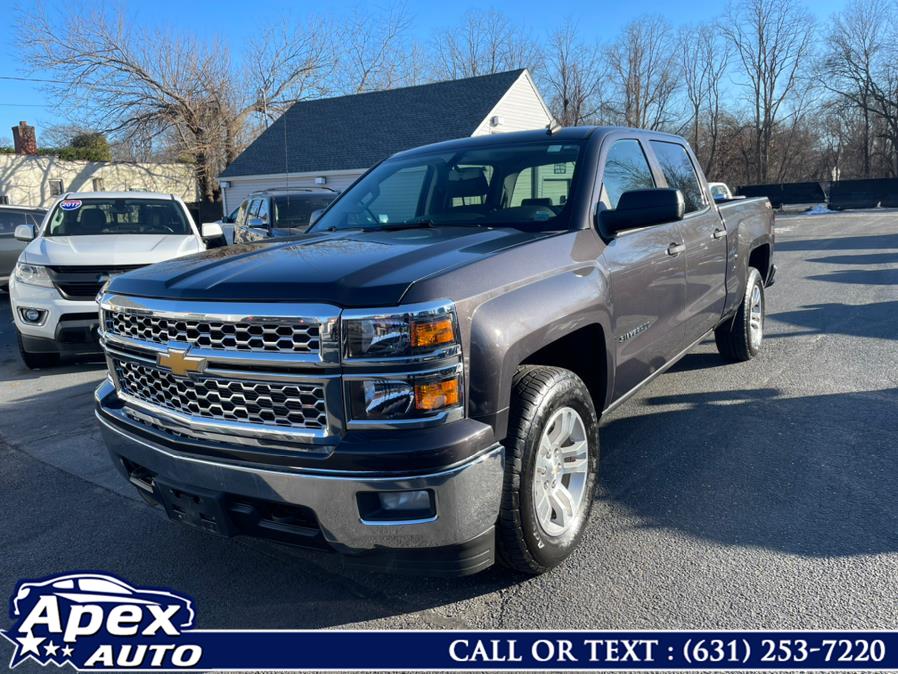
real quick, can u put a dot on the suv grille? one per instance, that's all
(83, 283)
(262, 335)
(291, 405)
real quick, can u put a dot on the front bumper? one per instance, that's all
(69, 326)
(323, 510)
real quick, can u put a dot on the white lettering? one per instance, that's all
(46, 612)
(74, 627)
(102, 656)
(123, 620)
(186, 656)
(162, 620)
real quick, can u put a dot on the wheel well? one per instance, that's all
(583, 353)
(760, 259)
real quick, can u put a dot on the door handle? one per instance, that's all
(676, 248)
(718, 233)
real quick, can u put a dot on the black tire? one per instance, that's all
(734, 336)
(539, 392)
(36, 361)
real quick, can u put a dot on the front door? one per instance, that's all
(647, 276)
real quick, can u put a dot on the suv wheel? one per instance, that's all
(552, 453)
(33, 360)
(740, 338)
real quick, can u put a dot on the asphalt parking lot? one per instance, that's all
(731, 496)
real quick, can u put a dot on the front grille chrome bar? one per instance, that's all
(263, 396)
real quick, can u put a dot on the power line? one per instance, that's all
(31, 79)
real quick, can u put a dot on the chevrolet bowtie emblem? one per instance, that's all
(179, 362)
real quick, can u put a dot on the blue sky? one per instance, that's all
(229, 20)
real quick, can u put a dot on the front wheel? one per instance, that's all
(740, 338)
(552, 452)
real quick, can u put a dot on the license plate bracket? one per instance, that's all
(194, 507)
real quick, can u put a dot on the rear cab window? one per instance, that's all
(679, 172)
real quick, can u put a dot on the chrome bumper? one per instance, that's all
(467, 496)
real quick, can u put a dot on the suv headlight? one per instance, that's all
(33, 274)
(417, 333)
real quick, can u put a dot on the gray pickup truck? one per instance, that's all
(417, 382)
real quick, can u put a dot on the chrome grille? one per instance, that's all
(294, 405)
(279, 335)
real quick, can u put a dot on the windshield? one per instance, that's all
(295, 210)
(521, 185)
(83, 217)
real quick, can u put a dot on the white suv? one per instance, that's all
(83, 240)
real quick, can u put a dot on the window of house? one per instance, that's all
(680, 173)
(543, 185)
(98, 185)
(626, 169)
(56, 187)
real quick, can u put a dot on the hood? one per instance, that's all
(110, 250)
(347, 269)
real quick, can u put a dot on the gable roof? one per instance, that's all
(354, 132)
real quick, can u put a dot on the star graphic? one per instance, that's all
(67, 652)
(29, 644)
(51, 648)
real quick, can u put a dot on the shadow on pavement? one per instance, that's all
(813, 475)
(857, 320)
(872, 258)
(873, 277)
(876, 242)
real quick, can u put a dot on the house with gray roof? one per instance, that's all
(332, 141)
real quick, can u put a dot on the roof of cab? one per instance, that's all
(559, 135)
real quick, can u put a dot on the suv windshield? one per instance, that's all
(514, 185)
(82, 217)
(295, 210)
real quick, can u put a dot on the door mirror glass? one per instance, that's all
(25, 233)
(643, 208)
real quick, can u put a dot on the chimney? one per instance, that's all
(24, 139)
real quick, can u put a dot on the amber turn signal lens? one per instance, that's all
(433, 333)
(437, 396)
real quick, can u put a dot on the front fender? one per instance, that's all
(511, 326)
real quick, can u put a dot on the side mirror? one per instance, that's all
(257, 223)
(25, 233)
(315, 216)
(211, 230)
(643, 208)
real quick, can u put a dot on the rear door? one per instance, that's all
(647, 274)
(704, 237)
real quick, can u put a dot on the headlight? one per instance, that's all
(418, 331)
(33, 274)
(418, 396)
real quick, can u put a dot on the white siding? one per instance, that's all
(520, 109)
(242, 187)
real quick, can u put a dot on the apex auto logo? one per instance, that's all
(98, 621)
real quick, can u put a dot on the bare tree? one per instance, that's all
(153, 85)
(704, 58)
(772, 41)
(372, 53)
(484, 43)
(861, 67)
(644, 73)
(573, 76)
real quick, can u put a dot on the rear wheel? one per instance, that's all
(740, 338)
(551, 458)
(34, 360)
